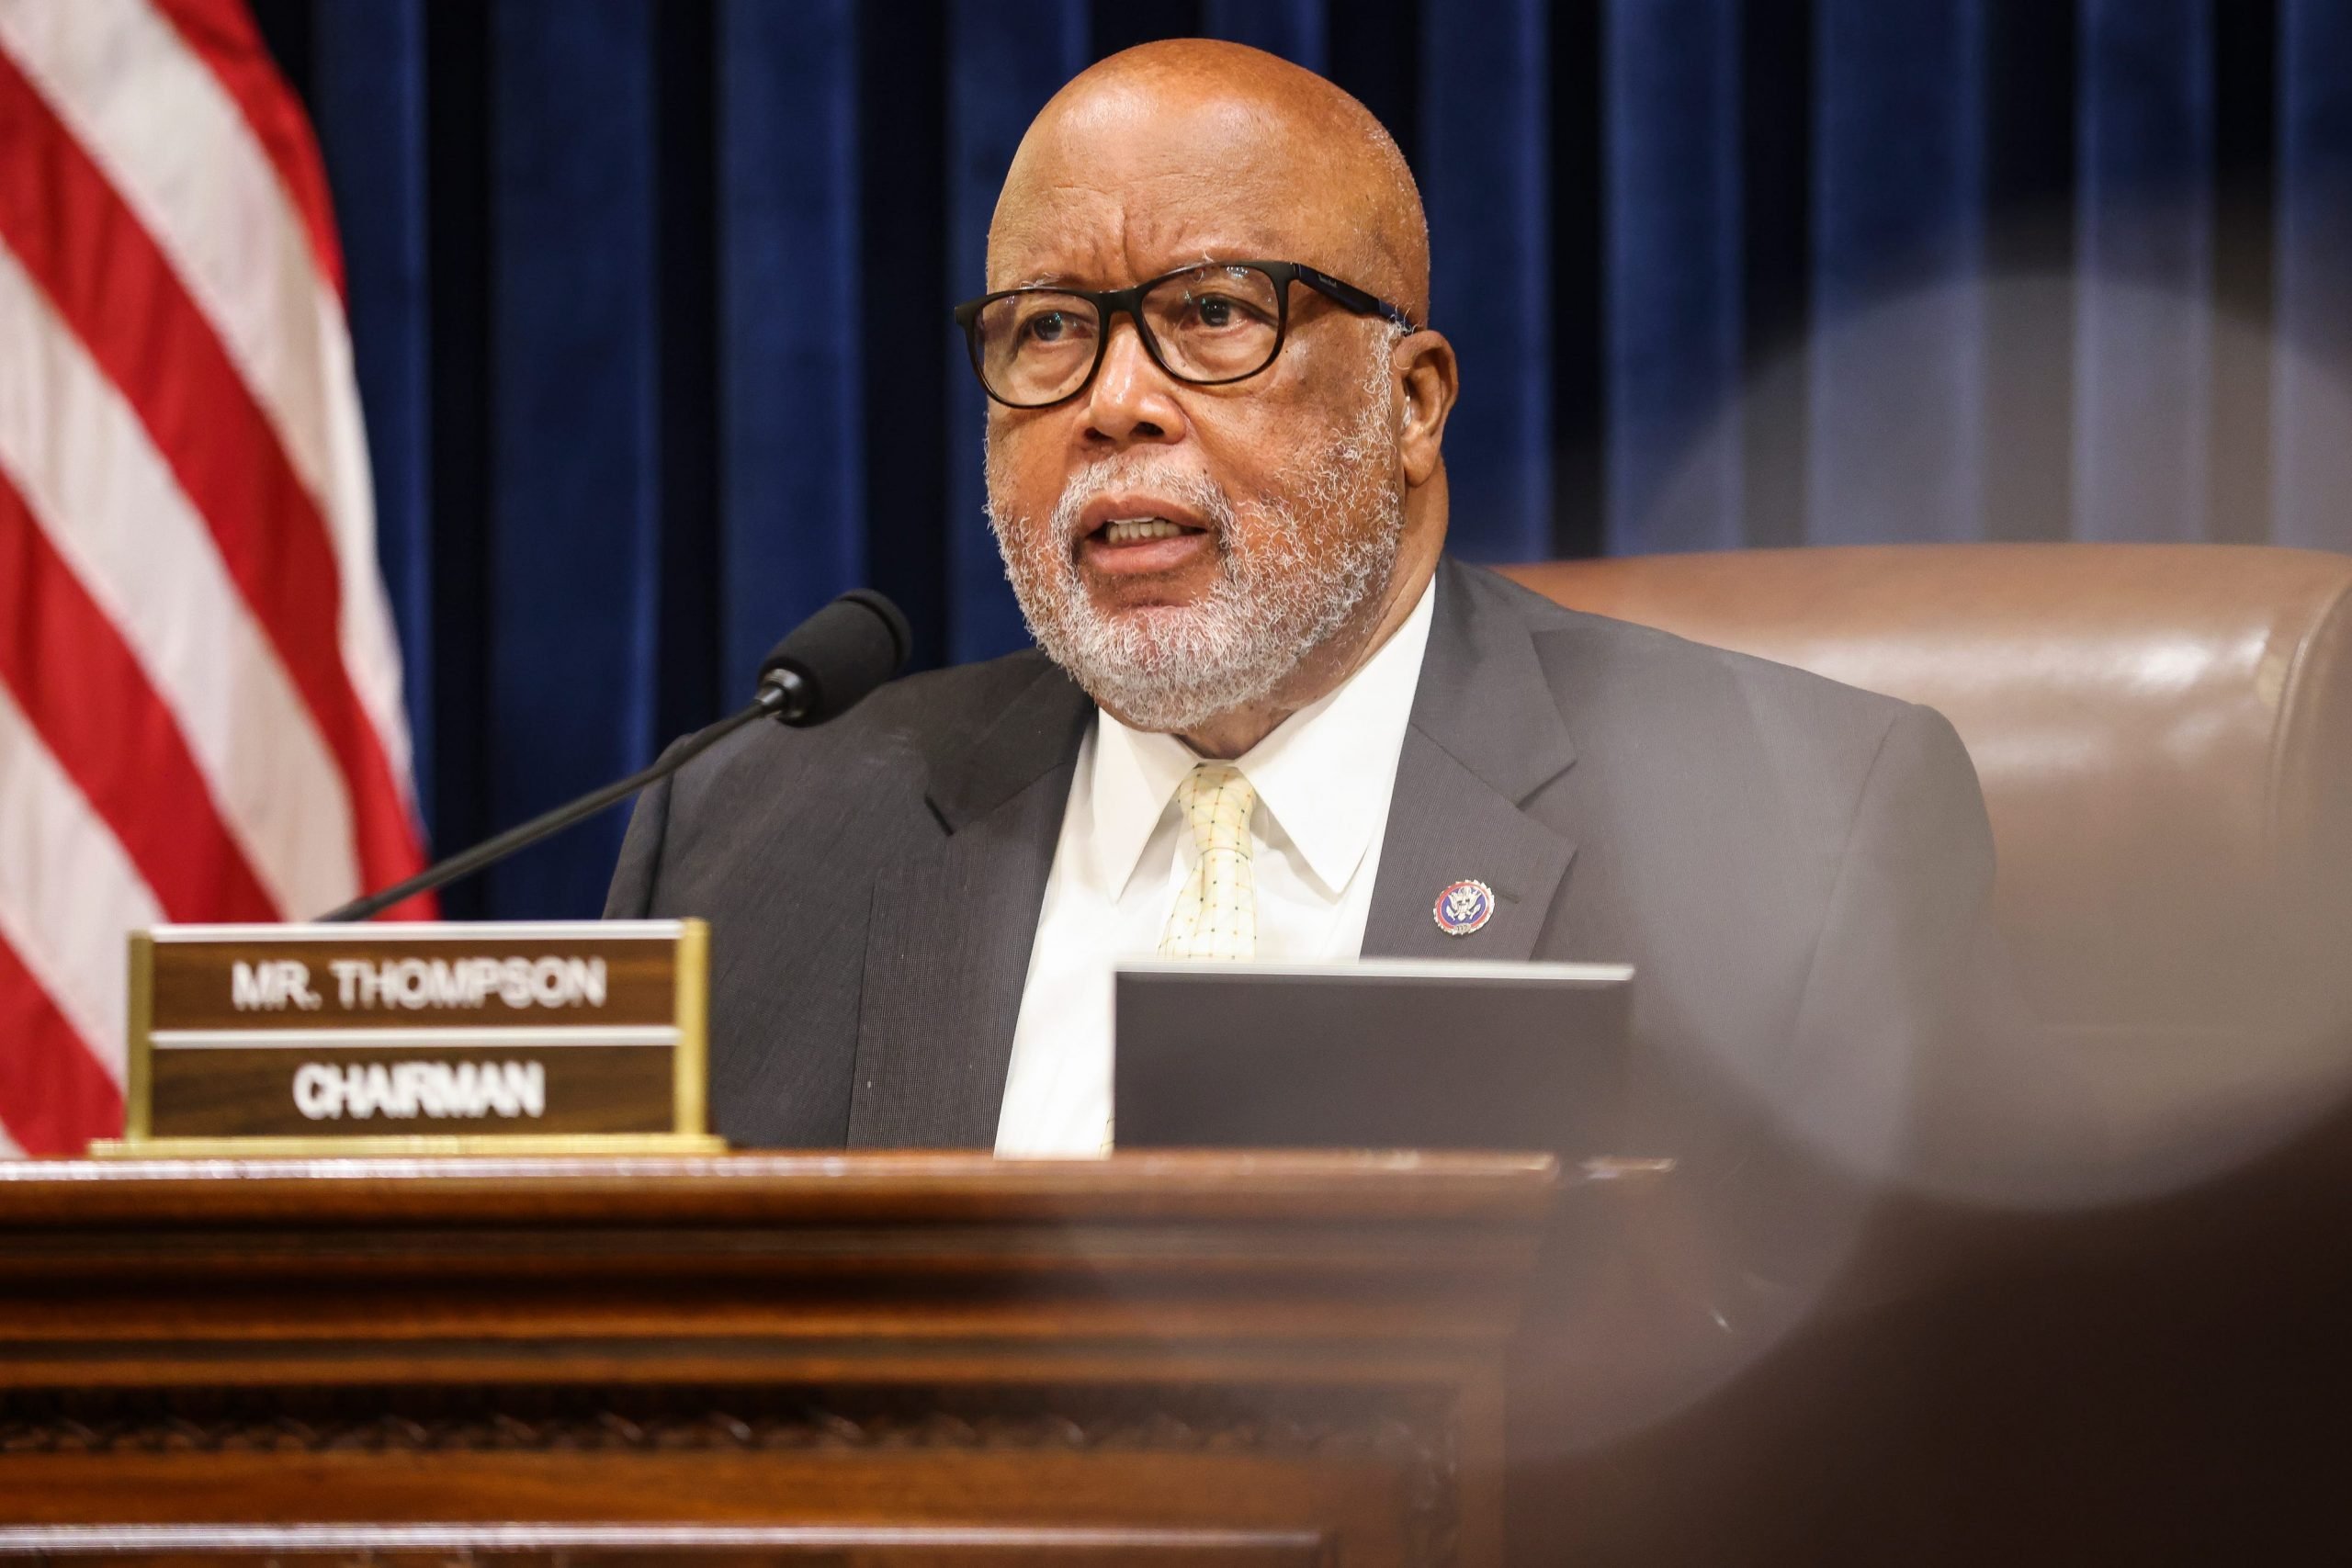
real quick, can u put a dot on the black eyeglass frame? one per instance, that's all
(1108, 302)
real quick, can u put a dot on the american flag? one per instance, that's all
(200, 711)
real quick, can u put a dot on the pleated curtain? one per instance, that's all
(650, 300)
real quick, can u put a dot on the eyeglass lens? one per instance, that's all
(1211, 323)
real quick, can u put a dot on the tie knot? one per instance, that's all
(1217, 800)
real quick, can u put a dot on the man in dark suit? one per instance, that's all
(1270, 718)
(1221, 499)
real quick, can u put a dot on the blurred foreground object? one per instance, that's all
(200, 713)
(2164, 735)
(2072, 1348)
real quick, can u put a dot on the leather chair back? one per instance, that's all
(2164, 735)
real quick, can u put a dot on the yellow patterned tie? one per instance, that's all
(1216, 909)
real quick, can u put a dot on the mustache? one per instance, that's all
(1195, 490)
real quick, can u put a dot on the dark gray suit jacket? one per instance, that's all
(1794, 867)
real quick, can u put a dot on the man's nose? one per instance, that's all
(1132, 398)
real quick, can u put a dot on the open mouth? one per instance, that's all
(1139, 530)
(1141, 537)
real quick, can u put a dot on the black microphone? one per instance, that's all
(822, 669)
(827, 663)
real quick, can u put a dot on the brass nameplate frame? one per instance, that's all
(553, 1037)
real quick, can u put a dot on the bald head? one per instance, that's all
(1173, 152)
(1207, 553)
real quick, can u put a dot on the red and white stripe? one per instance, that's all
(200, 712)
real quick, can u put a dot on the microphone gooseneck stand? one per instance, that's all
(824, 667)
(773, 700)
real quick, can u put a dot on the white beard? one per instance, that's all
(1291, 578)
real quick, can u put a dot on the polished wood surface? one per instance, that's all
(886, 1358)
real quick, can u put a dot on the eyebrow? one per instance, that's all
(1064, 280)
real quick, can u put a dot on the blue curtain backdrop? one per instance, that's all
(650, 300)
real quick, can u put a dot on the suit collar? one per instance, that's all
(1038, 731)
(1486, 735)
(1322, 776)
(952, 920)
(1484, 699)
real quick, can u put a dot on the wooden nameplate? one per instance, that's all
(570, 1037)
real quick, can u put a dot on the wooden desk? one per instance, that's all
(885, 1358)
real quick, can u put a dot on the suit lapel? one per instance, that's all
(947, 945)
(954, 918)
(1447, 825)
(1485, 735)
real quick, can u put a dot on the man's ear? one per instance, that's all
(1431, 381)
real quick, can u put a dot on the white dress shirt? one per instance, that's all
(1323, 779)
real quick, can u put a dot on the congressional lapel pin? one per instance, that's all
(1463, 908)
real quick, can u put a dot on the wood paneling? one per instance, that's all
(672, 1546)
(906, 1359)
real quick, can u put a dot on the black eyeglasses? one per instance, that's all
(1208, 324)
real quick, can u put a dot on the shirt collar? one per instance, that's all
(1324, 775)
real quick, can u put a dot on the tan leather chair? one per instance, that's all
(2164, 734)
